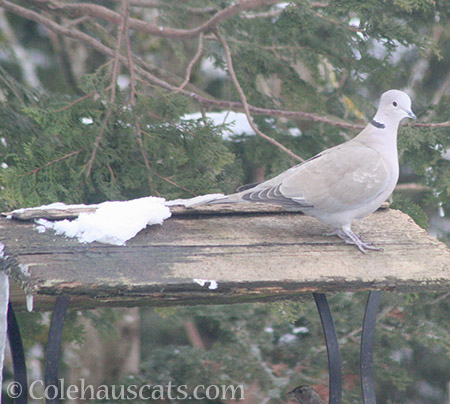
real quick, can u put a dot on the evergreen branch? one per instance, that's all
(338, 23)
(49, 163)
(245, 104)
(235, 106)
(191, 64)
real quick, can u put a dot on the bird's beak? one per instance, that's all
(410, 114)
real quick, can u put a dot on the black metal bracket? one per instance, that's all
(18, 358)
(331, 340)
(367, 343)
(54, 349)
(334, 358)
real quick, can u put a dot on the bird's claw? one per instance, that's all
(351, 238)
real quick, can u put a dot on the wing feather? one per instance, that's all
(338, 179)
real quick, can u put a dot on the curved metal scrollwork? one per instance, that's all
(367, 342)
(334, 356)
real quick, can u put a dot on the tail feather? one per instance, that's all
(233, 198)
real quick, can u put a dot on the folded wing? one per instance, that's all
(339, 179)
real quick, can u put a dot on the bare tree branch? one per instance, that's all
(145, 74)
(130, 57)
(245, 104)
(133, 99)
(162, 5)
(431, 125)
(191, 64)
(112, 98)
(93, 10)
(49, 163)
(235, 106)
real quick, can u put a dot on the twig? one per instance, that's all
(245, 104)
(441, 297)
(431, 125)
(133, 97)
(130, 56)
(194, 335)
(49, 163)
(113, 177)
(191, 64)
(412, 187)
(78, 21)
(175, 184)
(97, 142)
(117, 60)
(162, 5)
(71, 104)
(112, 98)
(63, 60)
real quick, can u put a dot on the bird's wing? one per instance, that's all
(344, 177)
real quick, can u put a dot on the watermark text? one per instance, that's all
(85, 391)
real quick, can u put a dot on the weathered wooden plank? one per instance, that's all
(253, 257)
(73, 212)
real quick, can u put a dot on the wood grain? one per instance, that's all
(253, 256)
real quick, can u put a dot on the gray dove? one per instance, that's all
(345, 182)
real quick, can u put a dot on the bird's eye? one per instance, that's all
(394, 103)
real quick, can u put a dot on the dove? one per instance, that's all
(343, 183)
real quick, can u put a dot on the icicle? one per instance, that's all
(4, 299)
(30, 302)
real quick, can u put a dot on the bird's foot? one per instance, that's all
(351, 238)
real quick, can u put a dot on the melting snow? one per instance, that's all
(212, 283)
(113, 222)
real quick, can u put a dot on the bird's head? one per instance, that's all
(394, 106)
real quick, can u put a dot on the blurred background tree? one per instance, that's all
(112, 99)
